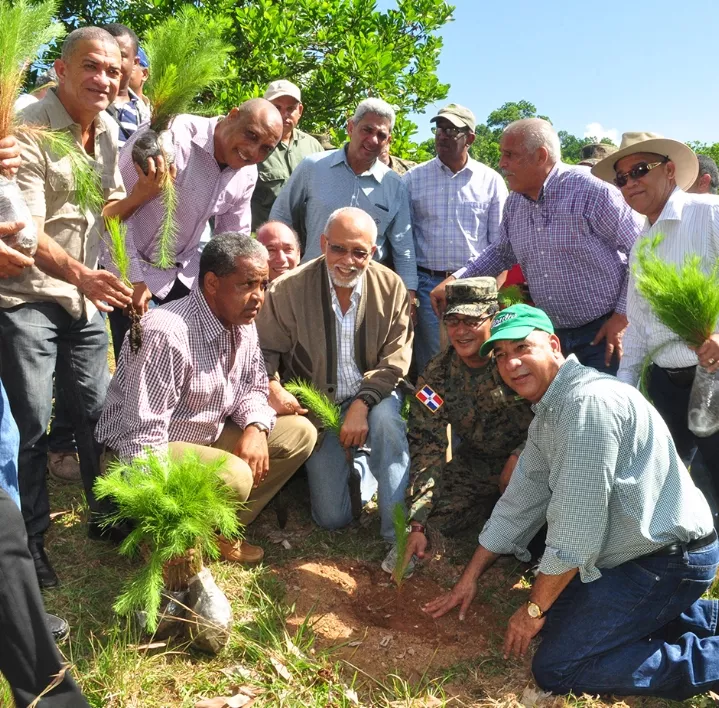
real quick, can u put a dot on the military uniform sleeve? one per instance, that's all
(427, 434)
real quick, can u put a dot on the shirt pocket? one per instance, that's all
(59, 188)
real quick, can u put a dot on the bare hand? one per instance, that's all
(438, 297)
(252, 448)
(520, 631)
(413, 307)
(9, 155)
(461, 594)
(613, 331)
(12, 262)
(104, 290)
(708, 354)
(283, 402)
(506, 473)
(355, 428)
(141, 297)
(149, 185)
(416, 546)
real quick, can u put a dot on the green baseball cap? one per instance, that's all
(516, 322)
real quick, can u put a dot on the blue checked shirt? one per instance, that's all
(601, 468)
(455, 216)
(324, 182)
(572, 243)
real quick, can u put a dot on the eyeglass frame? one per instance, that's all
(474, 323)
(619, 176)
(451, 131)
(357, 254)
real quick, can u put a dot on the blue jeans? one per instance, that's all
(578, 341)
(383, 464)
(36, 340)
(9, 443)
(426, 331)
(640, 629)
(62, 436)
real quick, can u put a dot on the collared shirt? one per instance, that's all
(690, 225)
(601, 468)
(324, 182)
(184, 382)
(128, 117)
(48, 187)
(349, 377)
(572, 244)
(455, 216)
(203, 190)
(273, 173)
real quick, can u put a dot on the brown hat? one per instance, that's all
(458, 116)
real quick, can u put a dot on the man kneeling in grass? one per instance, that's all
(630, 543)
(199, 383)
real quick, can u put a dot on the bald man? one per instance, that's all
(216, 162)
(283, 246)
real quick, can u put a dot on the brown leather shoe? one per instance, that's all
(64, 466)
(239, 551)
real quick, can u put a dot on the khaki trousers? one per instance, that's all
(290, 443)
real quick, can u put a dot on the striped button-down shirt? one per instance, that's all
(455, 216)
(690, 225)
(324, 182)
(190, 375)
(128, 117)
(572, 244)
(349, 377)
(203, 190)
(601, 468)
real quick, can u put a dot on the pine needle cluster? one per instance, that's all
(327, 412)
(166, 237)
(24, 29)
(685, 299)
(399, 521)
(117, 245)
(176, 505)
(187, 54)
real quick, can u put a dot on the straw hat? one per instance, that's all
(683, 157)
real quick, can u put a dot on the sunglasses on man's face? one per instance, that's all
(641, 169)
(449, 131)
(341, 251)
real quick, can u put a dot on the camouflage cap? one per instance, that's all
(594, 152)
(470, 296)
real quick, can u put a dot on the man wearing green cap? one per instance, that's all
(630, 543)
(461, 388)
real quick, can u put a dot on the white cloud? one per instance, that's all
(598, 131)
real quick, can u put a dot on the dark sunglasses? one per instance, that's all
(450, 131)
(357, 253)
(641, 169)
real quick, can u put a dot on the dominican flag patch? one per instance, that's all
(429, 398)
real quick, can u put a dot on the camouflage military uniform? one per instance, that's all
(491, 422)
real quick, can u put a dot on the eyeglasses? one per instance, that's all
(641, 169)
(449, 131)
(469, 322)
(357, 253)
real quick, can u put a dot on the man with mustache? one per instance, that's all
(198, 384)
(630, 545)
(342, 322)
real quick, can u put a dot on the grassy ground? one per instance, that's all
(274, 657)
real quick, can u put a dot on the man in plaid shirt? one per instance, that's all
(198, 383)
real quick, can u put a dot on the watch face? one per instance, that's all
(534, 611)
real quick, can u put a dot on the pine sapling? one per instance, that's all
(327, 412)
(401, 534)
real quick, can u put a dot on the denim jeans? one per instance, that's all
(383, 464)
(9, 443)
(426, 331)
(37, 339)
(640, 629)
(578, 341)
(62, 436)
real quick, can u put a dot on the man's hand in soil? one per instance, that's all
(141, 297)
(355, 429)
(12, 262)
(9, 155)
(461, 594)
(252, 448)
(416, 545)
(520, 631)
(282, 401)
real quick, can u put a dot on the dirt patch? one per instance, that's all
(354, 608)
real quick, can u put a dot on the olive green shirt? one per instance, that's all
(274, 172)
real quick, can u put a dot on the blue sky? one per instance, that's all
(641, 65)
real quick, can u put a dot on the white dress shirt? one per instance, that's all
(690, 225)
(349, 377)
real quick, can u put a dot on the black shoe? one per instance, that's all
(115, 534)
(46, 575)
(58, 626)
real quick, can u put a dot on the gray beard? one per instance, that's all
(350, 282)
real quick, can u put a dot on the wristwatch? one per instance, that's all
(367, 400)
(534, 610)
(262, 428)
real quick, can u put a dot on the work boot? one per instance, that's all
(46, 575)
(239, 551)
(64, 466)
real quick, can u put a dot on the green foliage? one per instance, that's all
(327, 412)
(404, 410)
(117, 245)
(511, 295)
(165, 256)
(685, 299)
(399, 521)
(187, 54)
(176, 506)
(705, 149)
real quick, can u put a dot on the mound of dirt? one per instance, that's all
(354, 607)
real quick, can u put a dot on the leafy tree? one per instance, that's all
(706, 149)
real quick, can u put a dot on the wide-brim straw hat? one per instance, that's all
(683, 157)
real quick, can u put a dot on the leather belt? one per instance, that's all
(436, 273)
(677, 549)
(683, 377)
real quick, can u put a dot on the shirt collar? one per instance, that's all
(550, 180)
(672, 210)
(212, 328)
(557, 389)
(205, 139)
(59, 118)
(378, 170)
(470, 166)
